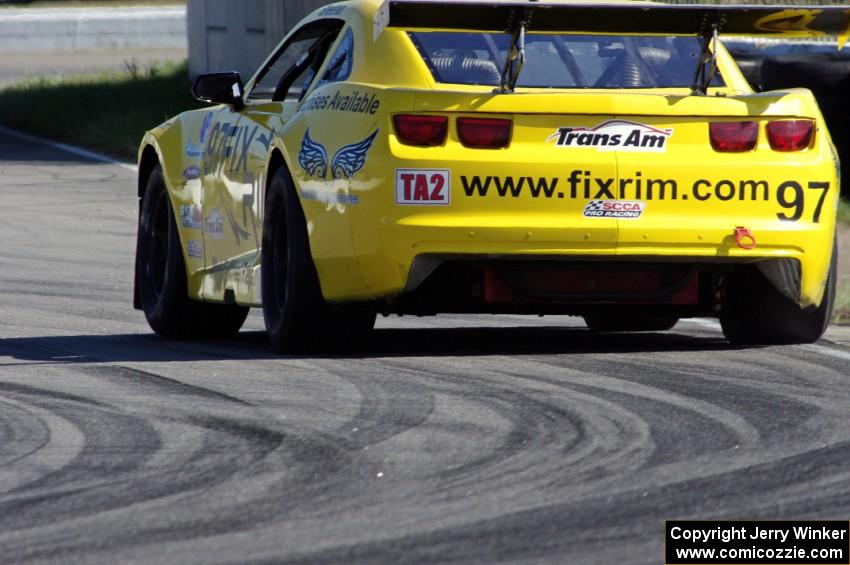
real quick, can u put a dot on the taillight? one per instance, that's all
(790, 135)
(421, 130)
(484, 133)
(733, 137)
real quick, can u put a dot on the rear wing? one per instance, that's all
(518, 17)
(619, 18)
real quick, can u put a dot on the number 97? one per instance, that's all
(791, 196)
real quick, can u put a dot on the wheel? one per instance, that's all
(626, 323)
(296, 315)
(755, 313)
(161, 272)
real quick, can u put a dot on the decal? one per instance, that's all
(793, 197)
(354, 102)
(510, 186)
(238, 231)
(331, 11)
(619, 209)
(206, 126)
(313, 158)
(338, 198)
(228, 153)
(423, 186)
(227, 141)
(193, 150)
(265, 139)
(190, 217)
(191, 173)
(195, 249)
(214, 225)
(787, 20)
(382, 20)
(614, 135)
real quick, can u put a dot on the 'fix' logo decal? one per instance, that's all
(614, 135)
(422, 186)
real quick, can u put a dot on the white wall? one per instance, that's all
(238, 34)
(36, 30)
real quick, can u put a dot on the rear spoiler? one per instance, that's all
(620, 18)
(517, 17)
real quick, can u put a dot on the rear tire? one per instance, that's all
(625, 323)
(162, 275)
(296, 315)
(755, 313)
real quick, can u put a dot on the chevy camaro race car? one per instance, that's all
(411, 156)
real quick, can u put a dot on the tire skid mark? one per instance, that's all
(293, 473)
(388, 406)
(582, 432)
(21, 433)
(564, 529)
(55, 444)
(20, 389)
(736, 395)
(113, 444)
(160, 383)
(491, 401)
(229, 448)
(743, 430)
(93, 367)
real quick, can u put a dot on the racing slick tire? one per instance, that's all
(296, 315)
(161, 272)
(626, 323)
(755, 313)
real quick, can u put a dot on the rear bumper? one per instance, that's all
(396, 257)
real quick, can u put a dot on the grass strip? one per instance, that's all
(108, 112)
(841, 314)
(844, 211)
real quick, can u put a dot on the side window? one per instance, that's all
(339, 67)
(294, 66)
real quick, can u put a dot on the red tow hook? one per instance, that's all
(744, 238)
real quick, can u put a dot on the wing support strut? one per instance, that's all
(516, 56)
(707, 66)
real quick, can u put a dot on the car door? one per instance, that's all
(235, 160)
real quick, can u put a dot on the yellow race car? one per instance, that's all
(605, 160)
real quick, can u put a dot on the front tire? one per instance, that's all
(161, 272)
(296, 315)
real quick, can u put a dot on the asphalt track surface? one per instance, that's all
(449, 439)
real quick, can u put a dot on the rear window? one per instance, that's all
(563, 61)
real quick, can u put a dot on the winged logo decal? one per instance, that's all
(351, 158)
(313, 157)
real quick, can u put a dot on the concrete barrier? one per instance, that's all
(60, 29)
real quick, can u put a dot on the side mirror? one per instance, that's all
(219, 88)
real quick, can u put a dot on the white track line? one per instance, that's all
(18, 15)
(78, 151)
